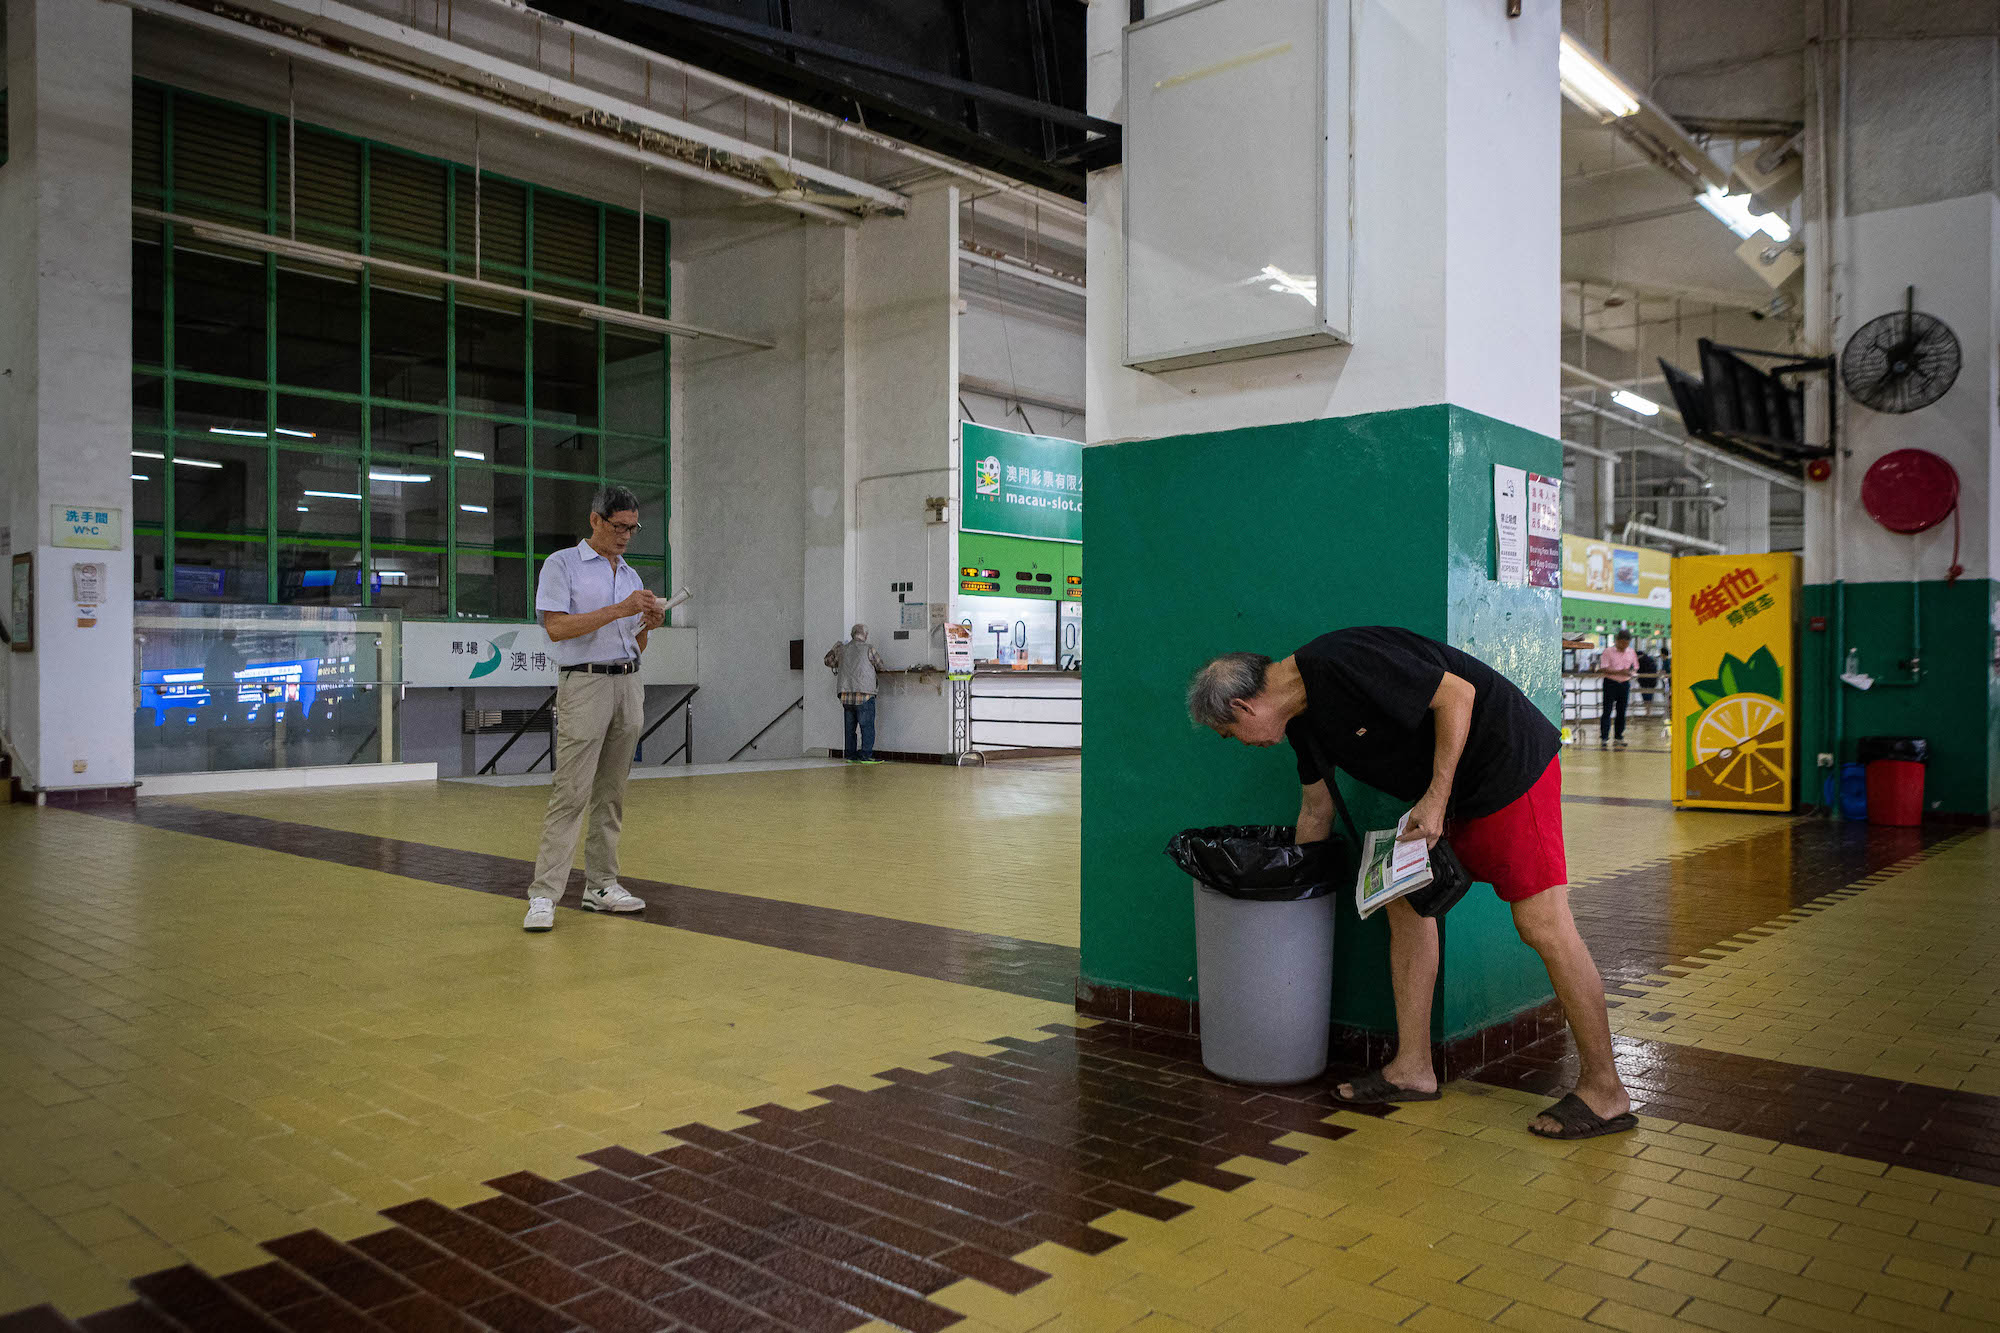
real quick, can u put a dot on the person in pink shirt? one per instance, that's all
(1617, 664)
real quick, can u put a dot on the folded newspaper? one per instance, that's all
(1390, 869)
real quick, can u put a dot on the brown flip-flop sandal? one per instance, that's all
(1371, 1089)
(1578, 1121)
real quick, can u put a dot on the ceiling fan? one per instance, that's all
(1902, 361)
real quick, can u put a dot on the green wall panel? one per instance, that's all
(1956, 705)
(1321, 524)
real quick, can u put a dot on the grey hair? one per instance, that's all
(860, 631)
(1222, 682)
(613, 499)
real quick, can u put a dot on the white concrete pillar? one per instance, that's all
(902, 378)
(66, 382)
(1456, 241)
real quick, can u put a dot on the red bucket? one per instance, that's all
(1895, 792)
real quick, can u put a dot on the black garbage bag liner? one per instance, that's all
(1262, 862)
(1912, 749)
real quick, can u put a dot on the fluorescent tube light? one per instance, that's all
(1733, 211)
(140, 476)
(304, 510)
(333, 495)
(1587, 82)
(197, 462)
(297, 434)
(473, 454)
(1632, 402)
(473, 509)
(399, 476)
(225, 430)
(147, 453)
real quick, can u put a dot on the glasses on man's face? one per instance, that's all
(623, 529)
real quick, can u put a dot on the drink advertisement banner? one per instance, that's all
(1735, 681)
(1019, 485)
(1600, 571)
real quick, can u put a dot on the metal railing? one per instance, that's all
(800, 702)
(528, 723)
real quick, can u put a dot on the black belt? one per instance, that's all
(605, 668)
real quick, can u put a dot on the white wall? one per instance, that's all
(902, 342)
(65, 377)
(1950, 251)
(1455, 140)
(804, 469)
(752, 425)
(1031, 353)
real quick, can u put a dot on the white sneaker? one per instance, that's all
(541, 915)
(612, 898)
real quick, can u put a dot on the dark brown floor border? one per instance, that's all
(1925, 1128)
(818, 1220)
(1641, 801)
(993, 962)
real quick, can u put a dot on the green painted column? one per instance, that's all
(1261, 539)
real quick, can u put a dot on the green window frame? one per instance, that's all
(217, 386)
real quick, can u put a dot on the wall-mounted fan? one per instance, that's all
(1902, 361)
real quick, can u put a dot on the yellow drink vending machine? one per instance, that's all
(1735, 681)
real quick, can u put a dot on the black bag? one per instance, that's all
(1449, 878)
(1263, 863)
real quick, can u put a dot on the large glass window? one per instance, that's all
(338, 434)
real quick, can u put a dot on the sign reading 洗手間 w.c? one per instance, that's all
(91, 526)
(1020, 485)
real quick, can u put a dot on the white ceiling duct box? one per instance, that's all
(1238, 175)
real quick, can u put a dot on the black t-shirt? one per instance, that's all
(1368, 699)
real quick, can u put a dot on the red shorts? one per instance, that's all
(1518, 849)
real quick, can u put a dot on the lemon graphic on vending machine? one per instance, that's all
(1736, 739)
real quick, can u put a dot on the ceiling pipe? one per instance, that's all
(1679, 448)
(1614, 385)
(349, 261)
(1635, 528)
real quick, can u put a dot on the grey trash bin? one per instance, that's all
(1263, 919)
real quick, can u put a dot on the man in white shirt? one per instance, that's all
(598, 615)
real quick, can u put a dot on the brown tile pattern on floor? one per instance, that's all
(994, 962)
(822, 1219)
(1658, 914)
(1902, 1124)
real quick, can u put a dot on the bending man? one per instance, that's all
(1437, 727)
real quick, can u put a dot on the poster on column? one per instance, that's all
(1735, 695)
(1510, 524)
(1545, 516)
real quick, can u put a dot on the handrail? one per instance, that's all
(687, 743)
(800, 702)
(529, 721)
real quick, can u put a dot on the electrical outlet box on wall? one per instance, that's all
(1238, 181)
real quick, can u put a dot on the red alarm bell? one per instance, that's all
(1818, 470)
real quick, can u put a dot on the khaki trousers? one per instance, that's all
(598, 721)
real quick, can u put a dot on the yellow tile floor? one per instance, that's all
(860, 839)
(200, 1055)
(208, 1045)
(1447, 1216)
(1900, 982)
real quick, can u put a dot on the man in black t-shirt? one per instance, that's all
(1434, 726)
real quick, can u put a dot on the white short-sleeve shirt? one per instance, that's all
(577, 579)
